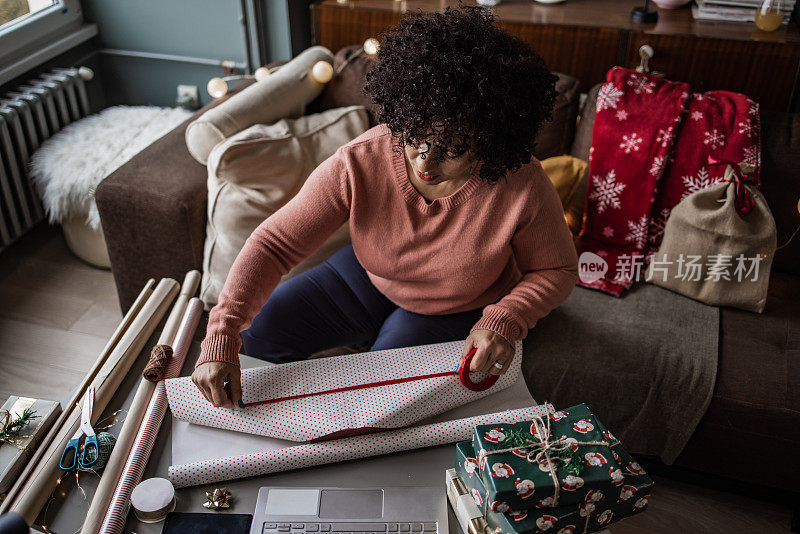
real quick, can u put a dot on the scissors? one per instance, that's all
(90, 449)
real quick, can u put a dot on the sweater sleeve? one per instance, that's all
(547, 259)
(279, 243)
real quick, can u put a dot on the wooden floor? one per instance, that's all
(57, 312)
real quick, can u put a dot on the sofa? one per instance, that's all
(153, 212)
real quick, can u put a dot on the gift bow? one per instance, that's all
(543, 447)
(744, 176)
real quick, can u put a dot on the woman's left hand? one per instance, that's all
(492, 348)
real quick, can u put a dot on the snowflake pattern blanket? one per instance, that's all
(651, 143)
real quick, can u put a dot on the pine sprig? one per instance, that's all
(572, 461)
(569, 457)
(517, 438)
(12, 426)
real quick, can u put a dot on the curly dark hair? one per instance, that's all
(484, 89)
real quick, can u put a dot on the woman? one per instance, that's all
(440, 251)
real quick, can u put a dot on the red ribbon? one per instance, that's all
(462, 372)
(744, 199)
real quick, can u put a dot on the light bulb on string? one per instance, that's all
(217, 87)
(371, 46)
(261, 73)
(322, 72)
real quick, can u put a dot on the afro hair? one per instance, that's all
(484, 90)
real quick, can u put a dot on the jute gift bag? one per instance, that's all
(718, 245)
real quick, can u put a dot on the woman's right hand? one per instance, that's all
(210, 378)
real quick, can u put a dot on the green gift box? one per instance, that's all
(551, 461)
(596, 512)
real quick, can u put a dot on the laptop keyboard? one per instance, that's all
(347, 528)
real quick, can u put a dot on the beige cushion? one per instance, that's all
(282, 94)
(255, 172)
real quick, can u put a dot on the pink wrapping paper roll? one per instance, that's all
(140, 452)
(340, 450)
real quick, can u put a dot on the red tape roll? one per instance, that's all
(463, 374)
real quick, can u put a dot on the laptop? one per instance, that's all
(323, 510)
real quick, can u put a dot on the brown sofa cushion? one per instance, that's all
(751, 429)
(573, 211)
(555, 137)
(346, 89)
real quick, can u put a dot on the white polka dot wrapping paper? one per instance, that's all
(340, 450)
(320, 416)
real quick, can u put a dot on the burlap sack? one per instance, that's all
(735, 251)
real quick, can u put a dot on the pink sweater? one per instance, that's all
(504, 247)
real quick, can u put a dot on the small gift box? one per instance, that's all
(16, 447)
(550, 461)
(595, 512)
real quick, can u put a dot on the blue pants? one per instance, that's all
(335, 304)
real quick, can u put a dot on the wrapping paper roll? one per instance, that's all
(340, 450)
(143, 444)
(136, 411)
(320, 398)
(56, 431)
(43, 480)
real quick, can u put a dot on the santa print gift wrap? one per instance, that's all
(651, 143)
(596, 511)
(520, 472)
(298, 401)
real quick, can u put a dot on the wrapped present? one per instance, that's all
(341, 396)
(549, 461)
(595, 512)
(17, 447)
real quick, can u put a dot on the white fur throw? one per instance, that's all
(68, 167)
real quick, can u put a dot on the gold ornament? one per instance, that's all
(219, 499)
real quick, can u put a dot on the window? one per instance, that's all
(16, 11)
(34, 31)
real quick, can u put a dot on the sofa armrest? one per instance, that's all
(153, 211)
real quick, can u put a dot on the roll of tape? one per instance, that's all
(153, 499)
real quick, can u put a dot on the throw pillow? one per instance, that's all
(255, 172)
(345, 89)
(565, 172)
(555, 137)
(284, 93)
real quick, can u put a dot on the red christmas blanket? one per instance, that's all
(651, 144)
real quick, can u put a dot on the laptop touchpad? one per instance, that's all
(351, 503)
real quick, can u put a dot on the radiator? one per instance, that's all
(30, 114)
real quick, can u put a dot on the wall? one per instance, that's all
(211, 29)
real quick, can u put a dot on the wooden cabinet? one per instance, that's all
(585, 38)
(763, 71)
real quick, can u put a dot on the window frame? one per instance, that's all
(36, 31)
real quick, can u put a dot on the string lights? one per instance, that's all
(321, 72)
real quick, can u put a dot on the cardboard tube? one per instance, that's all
(55, 430)
(114, 521)
(46, 475)
(133, 420)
